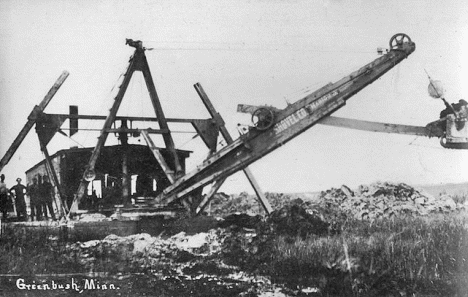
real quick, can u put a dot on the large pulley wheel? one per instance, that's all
(263, 118)
(397, 40)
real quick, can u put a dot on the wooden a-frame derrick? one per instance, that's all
(207, 129)
(137, 62)
(49, 124)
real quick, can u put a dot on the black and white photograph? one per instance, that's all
(260, 148)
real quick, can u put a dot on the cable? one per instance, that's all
(185, 143)
(258, 49)
(105, 101)
(413, 140)
(426, 146)
(72, 140)
(242, 47)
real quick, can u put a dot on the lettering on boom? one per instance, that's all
(302, 112)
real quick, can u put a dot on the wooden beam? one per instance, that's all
(103, 136)
(129, 118)
(227, 136)
(157, 154)
(209, 196)
(261, 196)
(373, 126)
(169, 142)
(120, 130)
(206, 164)
(32, 119)
(214, 114)
(61, 206)
(126, 178)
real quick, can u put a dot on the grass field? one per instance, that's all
(398, 256)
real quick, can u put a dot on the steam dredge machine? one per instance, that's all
(161, 179)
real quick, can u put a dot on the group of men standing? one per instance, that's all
(41, 195)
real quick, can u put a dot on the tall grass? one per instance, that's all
(460, 198)
(30, 253)
(402, 255)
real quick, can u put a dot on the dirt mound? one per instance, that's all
(145, 253)
(223, 204)
(385, 200)
(240, 220)
(295, 220)
(292, 219)
(189, 224)
(181, 263)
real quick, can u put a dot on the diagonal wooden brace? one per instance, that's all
(220, 122)
(157, 154)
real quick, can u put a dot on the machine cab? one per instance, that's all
(456, 134)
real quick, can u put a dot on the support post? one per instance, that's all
(168, 141)
(219, 120)
(209, 196)
(157, 154)
(125, 175)
(123, 137)
(61, 206)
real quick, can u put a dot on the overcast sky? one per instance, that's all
(251, 52)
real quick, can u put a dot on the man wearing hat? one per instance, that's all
(18, 191)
